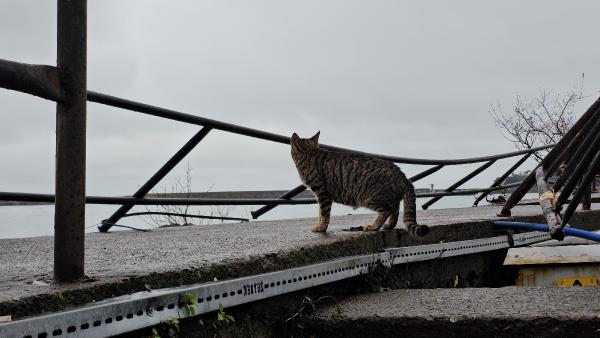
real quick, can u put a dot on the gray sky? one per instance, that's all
(404, 78)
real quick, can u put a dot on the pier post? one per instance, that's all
(69, 214)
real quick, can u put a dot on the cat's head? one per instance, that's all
(304, 144)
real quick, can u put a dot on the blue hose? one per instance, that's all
(544, 227)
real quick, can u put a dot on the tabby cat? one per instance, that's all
(357, 181)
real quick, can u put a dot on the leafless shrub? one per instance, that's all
(179, 215)
(543, 120)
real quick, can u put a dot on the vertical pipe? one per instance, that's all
(69, 214)
(159, 175)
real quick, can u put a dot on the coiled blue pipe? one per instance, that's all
(544, 227)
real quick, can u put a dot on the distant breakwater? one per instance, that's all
(218, 194)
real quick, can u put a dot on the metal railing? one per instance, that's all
(66, 85)
(208, 124)
(578, 153)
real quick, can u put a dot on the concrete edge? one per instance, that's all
(83, 293)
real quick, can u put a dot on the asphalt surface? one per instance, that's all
(457, 304)
(128, 261)
(470, 312)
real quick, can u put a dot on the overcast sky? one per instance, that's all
(412, 79)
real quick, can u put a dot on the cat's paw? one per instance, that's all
(370, 227)
(319, 228)
(419, 230)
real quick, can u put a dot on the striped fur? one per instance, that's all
(357, 181)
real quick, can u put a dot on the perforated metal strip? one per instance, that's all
(143, 309)
(530, 238)
(442, 250)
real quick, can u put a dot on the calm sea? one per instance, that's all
(38, 220)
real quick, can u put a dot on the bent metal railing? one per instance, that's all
(127, 203)
(66, 85)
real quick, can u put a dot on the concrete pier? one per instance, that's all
(123, 262)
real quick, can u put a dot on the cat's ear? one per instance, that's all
(295, 137)
(315, 139)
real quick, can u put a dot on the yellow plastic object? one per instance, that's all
(548, 195)
(577, 281)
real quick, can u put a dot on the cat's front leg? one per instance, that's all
(383, 215)
(324, 212)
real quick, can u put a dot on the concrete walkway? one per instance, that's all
(472, 312)
(129, 261)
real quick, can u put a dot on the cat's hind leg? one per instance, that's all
(324, 213)
(383, 215)
(393, 219)
(418, 230)
(410, 215)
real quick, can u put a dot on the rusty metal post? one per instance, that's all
(69, 214)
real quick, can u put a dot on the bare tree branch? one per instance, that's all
(543, 120)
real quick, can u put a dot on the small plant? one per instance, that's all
(224, 318)
(187, 301)
(181, 215)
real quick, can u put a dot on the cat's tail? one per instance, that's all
(410, 204)
(410, 211)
